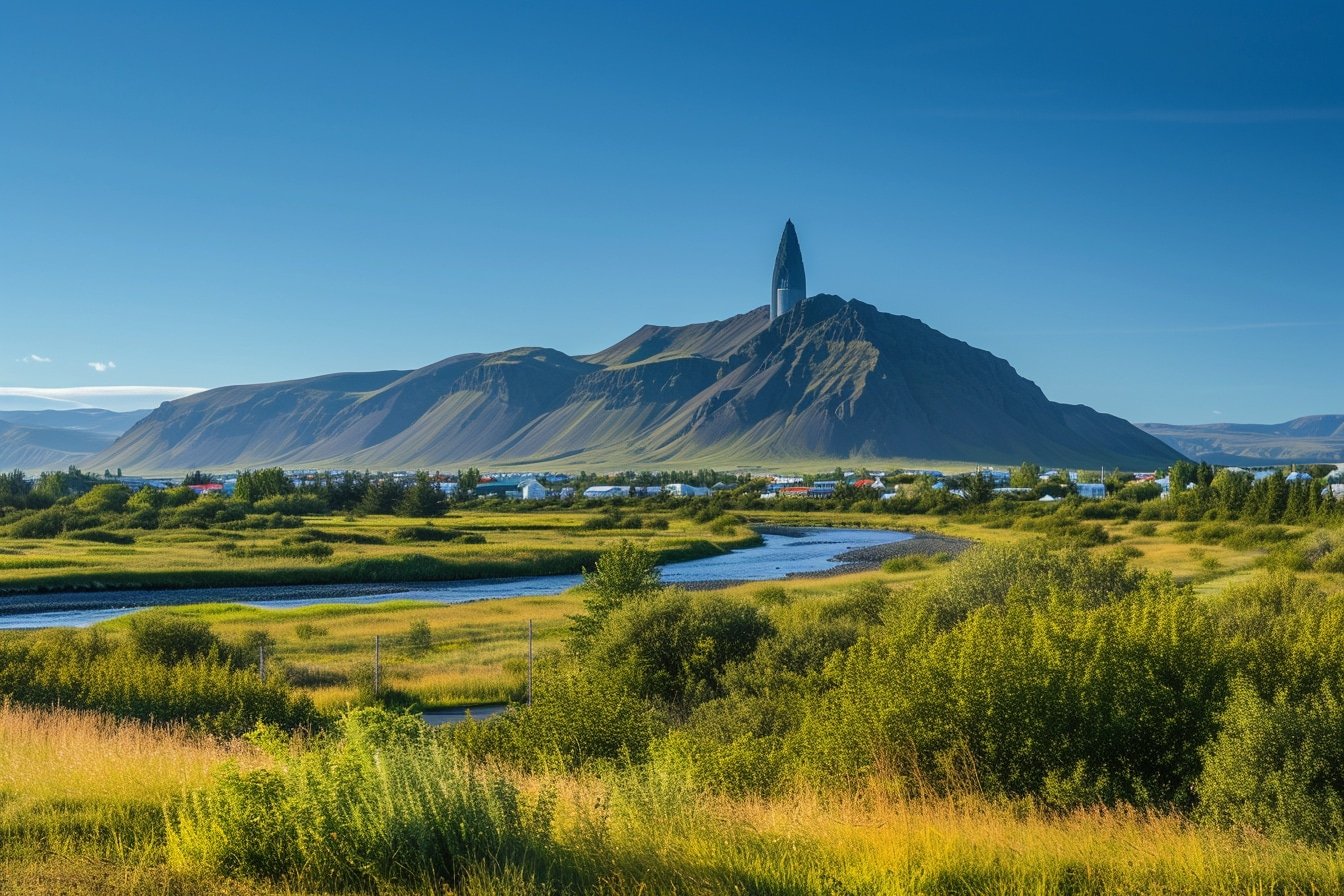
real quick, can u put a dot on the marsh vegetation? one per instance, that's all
(1083, 704)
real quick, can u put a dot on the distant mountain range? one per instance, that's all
(55, 439)
(831, 380)
(1318, 439)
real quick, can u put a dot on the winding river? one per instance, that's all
(782, 554)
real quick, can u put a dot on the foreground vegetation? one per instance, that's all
(1091, 702)
(218, 543)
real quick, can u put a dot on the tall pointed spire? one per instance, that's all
(788, 284)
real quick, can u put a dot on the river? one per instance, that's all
(803, 551)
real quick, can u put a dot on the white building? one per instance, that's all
(680, 490)
(607, 491)
(531, 490)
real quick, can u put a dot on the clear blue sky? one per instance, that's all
(1140, 207)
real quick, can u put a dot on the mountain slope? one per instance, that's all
(56, 439)
(1315, 439)
(829, 380)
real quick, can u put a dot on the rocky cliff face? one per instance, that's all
(832, 379)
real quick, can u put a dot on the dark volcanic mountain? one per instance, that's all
(829, 380)
(1306, 440)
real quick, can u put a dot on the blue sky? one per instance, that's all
(1141, 208)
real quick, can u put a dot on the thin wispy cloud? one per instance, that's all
(34, 359)
(98, 396)
(103, 366)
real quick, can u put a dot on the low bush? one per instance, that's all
(384, 805)
(165, 669)
(433, 533)
(102, 536)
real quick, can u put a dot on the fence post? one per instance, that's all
(261, 662)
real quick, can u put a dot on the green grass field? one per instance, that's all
(332, 549)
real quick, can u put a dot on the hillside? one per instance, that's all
(830, 380)
(1315, 439)
(55, 439)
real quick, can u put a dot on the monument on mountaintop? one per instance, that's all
(788, 285)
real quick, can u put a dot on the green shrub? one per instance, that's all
(1052, 673)
(576, 719)
(673, 648)
(102, 536)
(169, 637)
(433, 533)
(419, 639)
(105, 498)
(166, 670)
(53, 522)
(385, 805)
(906, 563)
(295, 504)
(1278, 766)
(342, 537)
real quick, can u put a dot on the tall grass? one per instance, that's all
(74, 782)
(386, 804)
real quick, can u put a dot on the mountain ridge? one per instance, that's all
(830, 379)
(1317, 438)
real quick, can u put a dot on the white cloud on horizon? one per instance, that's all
(34, 359)
(102, 366)
(124, 397)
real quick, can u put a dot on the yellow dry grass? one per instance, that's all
(59, 756)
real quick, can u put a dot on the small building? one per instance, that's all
(681, 490)
(1093, 491)
(607, 491)
(531, 490)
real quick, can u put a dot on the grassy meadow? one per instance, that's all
(753, 772)
(333, 549)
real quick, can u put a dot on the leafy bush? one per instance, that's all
(906, 563)
(1052, 673)
(169, 637)
(297, 504)
(102, 536)
(342, 537)
(626, 572)
(575, 720)
(1278, 765)
(53, 522)
(105, 498)
(433, 533)
(384, 805)
(419, 639)
(157, 673)
(673, 648)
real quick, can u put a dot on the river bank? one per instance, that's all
(778, 556)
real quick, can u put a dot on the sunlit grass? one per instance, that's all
(515, 544)
(79, 783)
